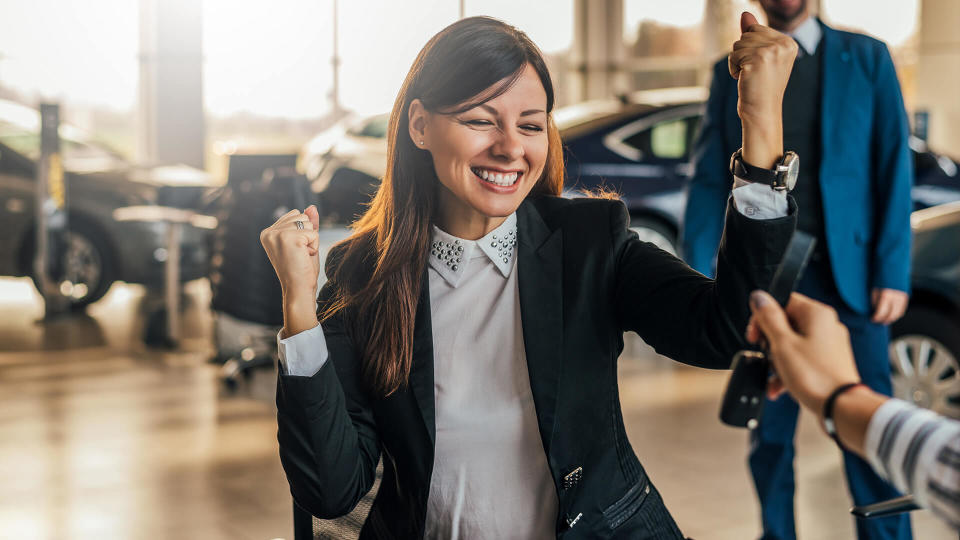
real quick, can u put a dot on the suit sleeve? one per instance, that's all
(710, 184)
(893, 179)
(680, 312)
(329, 447)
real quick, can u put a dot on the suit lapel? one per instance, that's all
(834, 79)
(540, 267)
(421, 372)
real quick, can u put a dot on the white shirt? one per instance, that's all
(808, 35)
(490, 473)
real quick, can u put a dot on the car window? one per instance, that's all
(27, 143)
(375, 127)
(669, 139)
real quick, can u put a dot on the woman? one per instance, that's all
(472, 322)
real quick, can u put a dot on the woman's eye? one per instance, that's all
(479, 122)
(531, 127)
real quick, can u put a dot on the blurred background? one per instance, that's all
(137, 368)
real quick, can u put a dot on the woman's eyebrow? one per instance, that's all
(494, 112)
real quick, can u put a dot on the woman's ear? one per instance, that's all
(417, 124)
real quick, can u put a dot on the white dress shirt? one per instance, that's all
(490, 473)
(808, 35)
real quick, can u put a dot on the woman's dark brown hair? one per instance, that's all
(376, 282)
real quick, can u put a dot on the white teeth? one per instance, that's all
(501, 179)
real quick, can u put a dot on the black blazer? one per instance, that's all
(584, 279)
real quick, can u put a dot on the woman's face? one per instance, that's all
(487, 158)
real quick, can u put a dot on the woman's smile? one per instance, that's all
(497, 180)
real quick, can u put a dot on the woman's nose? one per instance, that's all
(508, 146)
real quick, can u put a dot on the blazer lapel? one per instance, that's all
(421, 372)
(540, 267)
(834, 79)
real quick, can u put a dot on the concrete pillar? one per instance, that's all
(170, 108)
(597, 53)
(938, 73)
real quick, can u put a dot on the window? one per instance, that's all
(667, 140)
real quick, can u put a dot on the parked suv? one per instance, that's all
(925, 343)
(99, 249)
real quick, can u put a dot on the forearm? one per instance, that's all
(329, 455)
(299, 314)
(763, 139)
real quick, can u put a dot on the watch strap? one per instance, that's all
(745, 171)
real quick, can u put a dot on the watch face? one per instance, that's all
(792, 162)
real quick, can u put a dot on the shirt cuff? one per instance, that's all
(303, 354)
(758, 201)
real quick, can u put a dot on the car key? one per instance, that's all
(742, 404)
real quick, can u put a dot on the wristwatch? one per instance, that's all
(782, 177)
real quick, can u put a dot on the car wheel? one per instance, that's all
(655, 232)
(87, 273)
(925, 360)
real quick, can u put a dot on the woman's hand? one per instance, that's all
(761, 61)
(809, 347)
(293, 253)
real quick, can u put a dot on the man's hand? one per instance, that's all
(809, 347)
(888, 305)
(761, 61)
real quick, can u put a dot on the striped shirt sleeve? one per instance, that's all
(919, 453)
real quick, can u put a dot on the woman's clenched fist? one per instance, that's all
(761, 61)
(292, 250)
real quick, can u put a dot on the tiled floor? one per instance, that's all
(101, 438)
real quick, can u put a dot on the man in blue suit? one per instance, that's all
(843, 114)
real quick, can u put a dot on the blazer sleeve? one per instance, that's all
(326, 429)
(680, 312)
(893, 179)
(711, 182)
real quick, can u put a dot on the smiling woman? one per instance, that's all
(472, 322)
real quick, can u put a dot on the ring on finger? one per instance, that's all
(299, 224)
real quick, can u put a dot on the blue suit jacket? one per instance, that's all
(865, 172)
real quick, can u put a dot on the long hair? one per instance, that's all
(377, 280)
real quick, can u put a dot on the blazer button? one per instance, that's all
(572, 478)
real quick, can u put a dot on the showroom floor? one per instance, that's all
(103, 438)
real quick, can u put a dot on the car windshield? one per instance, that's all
(375, 127)
(20, 131)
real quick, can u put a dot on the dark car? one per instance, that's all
(100, 250)
(925, 344)
(642, 147)
(638, 145)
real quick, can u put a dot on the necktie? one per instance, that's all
(801, 52)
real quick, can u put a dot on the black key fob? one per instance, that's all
(743, 401)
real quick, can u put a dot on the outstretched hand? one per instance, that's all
(809, 347)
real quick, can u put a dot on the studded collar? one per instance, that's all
(449, 255)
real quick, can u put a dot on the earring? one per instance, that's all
(421, 142)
